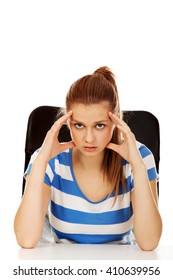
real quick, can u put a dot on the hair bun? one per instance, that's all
(102, 70)
(108, 75)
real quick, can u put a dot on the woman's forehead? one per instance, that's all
(102, 106)
(94, 112)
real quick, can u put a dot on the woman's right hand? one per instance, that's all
(51, 146)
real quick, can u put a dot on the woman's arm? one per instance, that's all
(147, 220)
(29, 219)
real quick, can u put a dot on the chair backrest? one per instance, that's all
(143, 124)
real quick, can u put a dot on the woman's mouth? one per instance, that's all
(90, 149)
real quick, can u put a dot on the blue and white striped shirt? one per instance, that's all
(74, 218)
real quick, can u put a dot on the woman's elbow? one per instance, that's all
(148, 246)
(148, 240)
(27, 244)
(26, 240)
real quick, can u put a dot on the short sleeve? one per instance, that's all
(48, 174)
(149, 161)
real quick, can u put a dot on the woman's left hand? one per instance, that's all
(128, 148)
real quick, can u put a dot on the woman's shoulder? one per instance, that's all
(63, 158)
(143, 149)
(146, 155)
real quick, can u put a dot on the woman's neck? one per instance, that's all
(88, 162)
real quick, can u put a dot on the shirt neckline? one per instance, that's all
(78, 187)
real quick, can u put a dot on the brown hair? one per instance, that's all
(93, 89)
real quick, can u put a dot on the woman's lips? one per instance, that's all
(89, 149)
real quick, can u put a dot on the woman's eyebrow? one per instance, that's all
(73, 120)
(100, 121)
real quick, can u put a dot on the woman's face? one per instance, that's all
(90, 127)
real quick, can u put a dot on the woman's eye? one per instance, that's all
(100, 125)
(78, 125)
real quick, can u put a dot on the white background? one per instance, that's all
(46, 45)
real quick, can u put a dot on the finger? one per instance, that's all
(116, 119)
(121, 125)
(124, 129)
(127, 134)
(58, 124)
(64, 118)
(113, 147)
(67, 145)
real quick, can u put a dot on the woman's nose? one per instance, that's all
(89, 136)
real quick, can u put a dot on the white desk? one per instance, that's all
(48, 251)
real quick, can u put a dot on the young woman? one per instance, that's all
(101, 186)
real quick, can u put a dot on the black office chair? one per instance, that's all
(143, 124)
